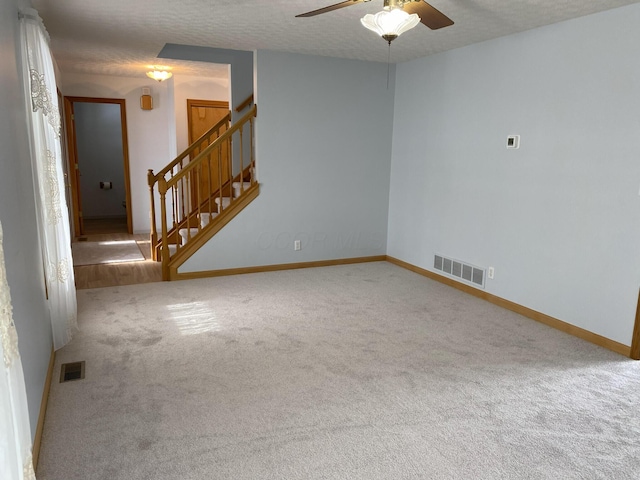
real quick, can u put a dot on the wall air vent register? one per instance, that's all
(460, 270)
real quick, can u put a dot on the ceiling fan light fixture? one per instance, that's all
(159, 75)
(390, 24)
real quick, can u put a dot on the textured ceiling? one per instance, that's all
(123, 37)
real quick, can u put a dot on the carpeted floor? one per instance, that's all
(94, 253)
(352, 372)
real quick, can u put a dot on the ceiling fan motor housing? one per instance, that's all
(391, 4)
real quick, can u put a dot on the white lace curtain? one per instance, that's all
(46, 156)
(15, 434)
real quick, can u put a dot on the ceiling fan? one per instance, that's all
(397, 16)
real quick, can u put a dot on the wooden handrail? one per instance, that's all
(205, 153)
(247, 101)
(195, 145)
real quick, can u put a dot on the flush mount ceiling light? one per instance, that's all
(159, 75)
(392, 21)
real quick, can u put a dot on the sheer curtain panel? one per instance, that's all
(52, 213)
(15, 436)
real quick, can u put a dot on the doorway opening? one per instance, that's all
(99, 165)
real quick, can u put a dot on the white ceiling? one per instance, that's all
(123, 37)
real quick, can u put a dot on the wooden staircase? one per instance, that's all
(202, 190)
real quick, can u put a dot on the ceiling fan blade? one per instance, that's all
(331, 8)
(430, 16)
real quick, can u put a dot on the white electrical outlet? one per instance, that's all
(491, 273)
(296, 245)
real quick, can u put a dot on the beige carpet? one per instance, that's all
(116, 251)
(352, 372)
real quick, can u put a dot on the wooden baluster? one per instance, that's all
(164, 252)
(252, 169)
(210, 192)
(151, 180)
(230, 166)
(209, 206)
(174, 199)
(220, 178)
(241, 161)
(187, 179)
(174, 208)
(198, 196)
(182, 190)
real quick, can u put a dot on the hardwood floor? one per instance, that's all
(115, 274)
(93, 226)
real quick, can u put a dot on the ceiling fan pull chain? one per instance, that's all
(388, 64)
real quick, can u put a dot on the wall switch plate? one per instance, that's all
(296, 245)
(491, 273)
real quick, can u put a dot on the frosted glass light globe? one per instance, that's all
(159, 75)
(390, 25)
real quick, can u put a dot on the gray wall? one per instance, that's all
(17, 213)
(241, 78)
(559, 219)
(100, 158)
(241, 67)
(323, 138)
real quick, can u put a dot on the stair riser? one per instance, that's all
(226, 201)
(205, 218)
(237, 188)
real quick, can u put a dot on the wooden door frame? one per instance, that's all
(65, 156)
(635, 339)
(72, 149)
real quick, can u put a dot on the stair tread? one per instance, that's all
(239, 187)
(206, 218)
(186, 233)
